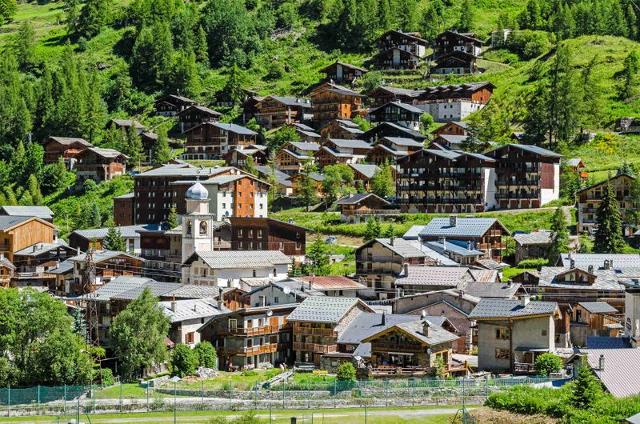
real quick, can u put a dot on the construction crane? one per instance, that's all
(89, 293)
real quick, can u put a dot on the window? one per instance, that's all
(249, 342)
(203, 228)
(503, 354)
(276, 300)
(502, 333)
(189, 228)
(233, 325)
(544, 333)
(190, 338)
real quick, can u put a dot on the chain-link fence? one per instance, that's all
(196, 395)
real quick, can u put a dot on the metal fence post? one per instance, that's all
(9, 401)
(284, 383)
(121, 397)
(64, 401)
(148, 396)
(174, 401)
(38, 394)
(202, 393)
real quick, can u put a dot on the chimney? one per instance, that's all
(606, 264)
(425, 328)
(405, 269)
(384, 318)
(220, 303)
(174, 305)
(590, 269)
(423, 314)
(524, 301)
(453, 220)
(470, 245)
(195, 308)
(443, 240)
(572, 263)
(601, 362)
(391, 241)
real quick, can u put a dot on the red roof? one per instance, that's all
(332, 283)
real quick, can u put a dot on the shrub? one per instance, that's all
(529, 44)
(183, 361)
(548, 363)
(206, 354)
(586, 389)
(105, 375)
(346, 372)
(533, 263)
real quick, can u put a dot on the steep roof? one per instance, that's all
(202, 109)
(598, 307)
(369, 323)
(405, 106)
(346, 65)
(325, 309)
(621, 368)
(221, 259)
(127, 231)
(365, 169)
(67, 141)
(464, 227)
(506, 308)
(189, 309)
(8, 222)
(336, 282)
(434, 336)
(400, 247)
(535, 237)
(354, 199)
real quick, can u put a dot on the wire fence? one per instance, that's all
(166, 396)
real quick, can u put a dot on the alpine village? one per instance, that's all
(261, 205)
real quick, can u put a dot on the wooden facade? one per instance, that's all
(172, 104)
(453, 42)
(452, 128)
(400, 50)
(63, 147)
(196, 115)
(275, 111)
(100, 164)
(267, 234)
(590, 198)
(24, 233)
(330, 101)
(212, 140)
(342, 73)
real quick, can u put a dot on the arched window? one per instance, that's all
(203, 228)
(189, 228)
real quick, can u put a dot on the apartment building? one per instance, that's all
(331, 101)
(212, 140)
(589, 199)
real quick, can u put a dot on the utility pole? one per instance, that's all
(88, 289)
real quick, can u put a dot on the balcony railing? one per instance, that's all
(256, 331)
(327, 332)
(314, 347)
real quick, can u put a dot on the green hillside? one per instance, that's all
(77, 65)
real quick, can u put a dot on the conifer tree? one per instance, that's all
(134, 147)
(172, 219)
(586, 388)
(233, 89)
(24, 45)
(7, 10)
(431, 23)
(608, 237)
(466, 16)
(94, 219)
(200, 48)
(114, 240)
(307, 184)
(161, 153)
(250, 166)
(559, 236)
(383, 183)
(565, 103)
(372, 230)
(630, 75)
(34, 190)
(318, 258)
(94, 15)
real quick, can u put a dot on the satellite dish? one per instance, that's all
(269, 312)
(424, 314)
(286, 290)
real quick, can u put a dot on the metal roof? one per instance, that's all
(505, 308)
(621, 370)
(598, 307)
(605, 342)
(439, 276)
(404, 141)
(305, 146)
(464, 227)
(413, 232)
(460, 248)
(350, 144)
(221, 259)
(490, 290)
(334, 282)
(365, 169)
(327, 309)
(40, 248)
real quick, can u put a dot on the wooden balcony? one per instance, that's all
(304, 331)
(256, 331)
(392, 347)
(314, 347)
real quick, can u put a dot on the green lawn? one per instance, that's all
(244, 380)
(425, 415)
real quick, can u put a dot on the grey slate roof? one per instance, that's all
(128, 231)
(357, 198)
(103, 255)
(42, 212)
(62, 268)
(452, 138)
(190, 309)
(238, 129)
(365, 169)
(536, 237)
(303, 127)
(491, 290)
(369, 323)
(324, 309)
(439, 276)
(221, 259)
(621, 370)
(505, 308)
(182, 170)
(605, 279)
(465, 227)
(436, 335)
(7, 222)
(573, 162)
(305, 146)
(620, 260)
(70, 140)
(405, 106)
(408, 131)
(401, 247)
(293, 101)
(413, 232)
(40, 248)
(350, 144)
(598, 307)
(537, 150)
(404, 141)
(157, 288)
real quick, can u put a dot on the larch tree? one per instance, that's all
(559, 236)
(114, 240)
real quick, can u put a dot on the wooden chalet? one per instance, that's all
(594, 319)
(454, 102)
(390, 149)
(382, 95)
(123, 209)
(196, 115)
(400, 50)
(268, 234)
(452, 42)
(238, 156)
(306, 133)
(100, 164)
(342, 73)
(212, 140)
(291, 158)
(275, 111)
(389, 129)
(363, 173)
(172, 104)
(398, 113)
(341, 128)
(452, 128)
(22, 232)
(126, 124)
(63, 147)
(526, 176)
(7, 271)
(362, 204)
(297, 179)
(336, 150)
(331, 101)
(457, 62)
